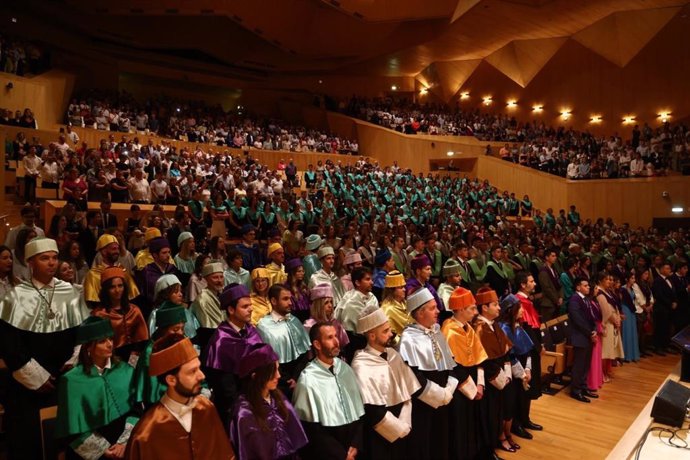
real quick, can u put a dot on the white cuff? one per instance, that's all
(449, 389)
(391, 428)
(72, 361)
(32, 375)
(528, 364)
(480, 377)
(517, 371)
(92, 448)
(500, 381)
(468, 388)
(433, 395)
(124, 437)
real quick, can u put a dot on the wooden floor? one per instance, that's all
(575, 430)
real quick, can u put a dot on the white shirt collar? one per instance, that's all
(182, 412)
(40, 285)
(277, 317)
(100, 370)
(522, 294)
(487, 321)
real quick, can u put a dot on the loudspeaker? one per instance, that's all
(671, 403)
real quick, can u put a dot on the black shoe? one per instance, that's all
(532, 426)
(590, 394)
(520, 432)
(510, 449)
(495, 457)
(580, 397)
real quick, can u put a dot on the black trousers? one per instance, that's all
(662, 327)
(582, 357)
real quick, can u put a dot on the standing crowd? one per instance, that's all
(353, 312)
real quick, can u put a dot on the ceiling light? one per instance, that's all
(594, 119)
(487, 100)
(450, 154)
(512, 104)
(464, 95)
(537, 108)
(423, 90)
(394, 88)
(664, 116)
(628, 119)
(565, 114)
(677, 209)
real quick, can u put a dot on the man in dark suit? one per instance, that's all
(108, 219)
(89, 235)
(583, 333)
(551, 289)
(665, 304)
(681, 316)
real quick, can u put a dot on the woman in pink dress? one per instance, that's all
(595, 378)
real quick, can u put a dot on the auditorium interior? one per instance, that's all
(490, 125)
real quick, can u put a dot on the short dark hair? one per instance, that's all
(521, 278)
(579, 280)
(315, 331)
(275, 290)
(359, 273)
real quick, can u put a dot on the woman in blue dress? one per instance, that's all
(631, 347)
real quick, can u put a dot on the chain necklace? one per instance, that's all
(51, 313)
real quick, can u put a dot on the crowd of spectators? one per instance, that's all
(196, 121)
(560, 151)
(20, 119)
(21, 57)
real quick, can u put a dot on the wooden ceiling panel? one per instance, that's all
(620, 36)
(521, 60)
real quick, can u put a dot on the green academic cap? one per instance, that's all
(168, 314)
(94, 328)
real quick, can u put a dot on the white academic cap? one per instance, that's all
(370, 318)
(39, 245)
(418, 298)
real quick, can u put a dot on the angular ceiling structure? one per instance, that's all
(620, 36)
(521, 60)
(440, 43)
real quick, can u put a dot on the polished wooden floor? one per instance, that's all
(576, 430)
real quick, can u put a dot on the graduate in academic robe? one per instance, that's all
(311, 261)
(206, 307)
(387, 385)
(394, 305)
(276, 270)
(95, 416)
(496, 274)
(327, 275)
(321, 311)
(38, 324)
(147, 390)
(421, 270)
(426, 351)
(130, 330)
(385, 263)
(350, 262)
(264, 425)
(232, 339)
(168, 289)
(261, 306)
(526, 285)
(515, 397)
(183, 424)
(109, 248)
(328, 401)
(286, 334)
(466, 437)
(351, 305)
(451, 280)
(497, 370)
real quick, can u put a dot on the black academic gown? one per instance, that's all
(466, 440)
(331, 442)
(429, 438)
(51, 351)
(376, 447)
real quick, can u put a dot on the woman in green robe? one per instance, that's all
(95, 417)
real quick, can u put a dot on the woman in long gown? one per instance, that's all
(631, 346)
(611, 343)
